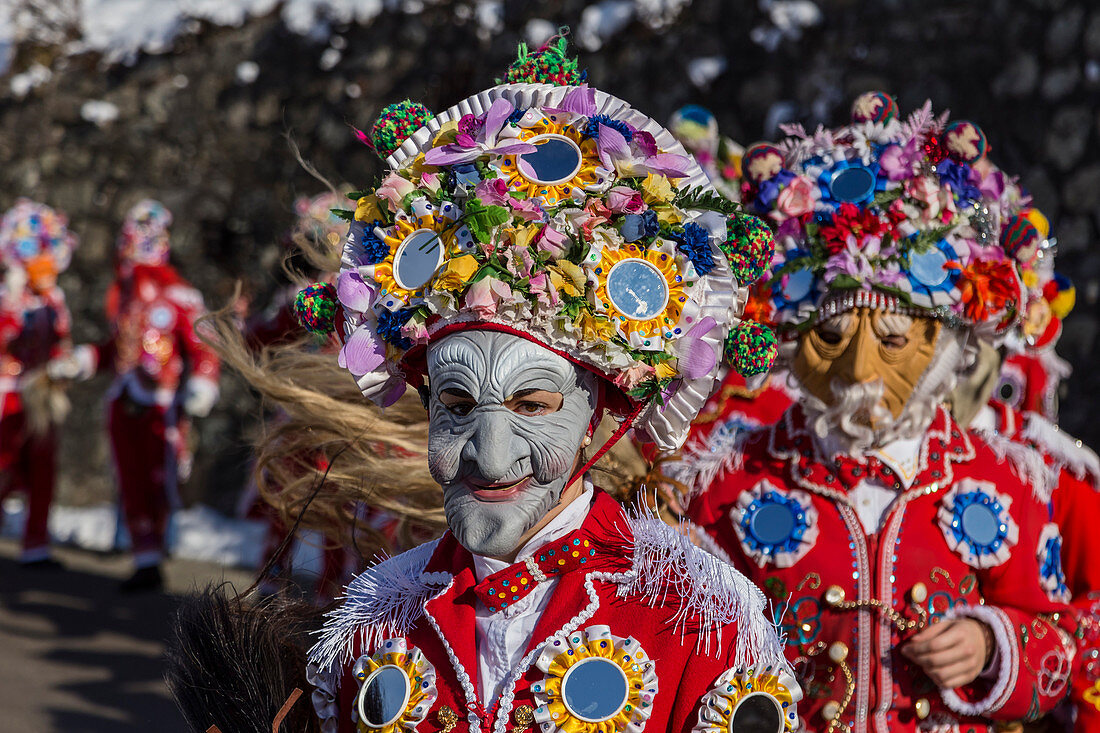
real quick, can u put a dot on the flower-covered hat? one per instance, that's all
(884, 212)
(30, 231)
(562, 215)
(1049, 296)
(144, 236)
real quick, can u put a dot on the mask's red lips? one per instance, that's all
(498, 492)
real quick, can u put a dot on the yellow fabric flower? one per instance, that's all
(522, 236)
(664, 370)
(668, 214)
(457, 272)
(367, 209)
(657, 189)
(446, 134)
(568, 278)
(594, 328)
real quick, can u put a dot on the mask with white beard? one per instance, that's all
(869, 378)
(507, 419)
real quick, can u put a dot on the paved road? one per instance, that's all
(76, 656)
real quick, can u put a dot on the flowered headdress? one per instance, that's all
(1049, 296)
(144, 236)
(30, 230)
(907, 215)
(559, 214)
(317, 218)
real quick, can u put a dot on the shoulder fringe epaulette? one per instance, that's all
(710, 594)
(1027, 462)
(703, 461)
(666, 569)
(1066, 451)
(384, 601)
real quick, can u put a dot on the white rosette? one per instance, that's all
(785, 551)
(975, 520)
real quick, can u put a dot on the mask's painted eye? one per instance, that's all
(897, 341)
(830, 337)
(457, 401)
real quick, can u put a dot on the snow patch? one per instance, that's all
(247, 72)
(35, 76)
(705, 69)
(787, 19)
(603, 20)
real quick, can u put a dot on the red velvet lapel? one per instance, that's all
(453, 609)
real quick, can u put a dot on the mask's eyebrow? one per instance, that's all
(454, 392)
(519, 395)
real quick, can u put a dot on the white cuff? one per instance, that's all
(1003, 669)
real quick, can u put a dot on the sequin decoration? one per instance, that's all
(976, 523)
(775, 526)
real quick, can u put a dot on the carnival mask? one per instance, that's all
(864, 348)
(507, 418)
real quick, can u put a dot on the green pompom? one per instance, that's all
(749, 247)
(315, 308)
(396, 123)
(548, 65)
(751, 348)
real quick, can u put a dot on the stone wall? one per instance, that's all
(208, 136)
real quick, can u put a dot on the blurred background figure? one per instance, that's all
(163, 375)
(35, 246)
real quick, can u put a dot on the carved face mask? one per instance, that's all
(507, 419)
(864, 347)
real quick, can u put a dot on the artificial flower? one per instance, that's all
(798, 197)
(625, 200)
(480, 298)
(901, 162)
(478, 137)
(694, 242)
(664, 370)
(457, 272)
(986, 288)
(353, 292)
(594, 328)
(568, 278)
(657, 189)
(634, 375)
(852, 226)
(367, 208)
(394, 189)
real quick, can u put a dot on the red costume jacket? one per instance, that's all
(687, 633)
(153, 346)
(33, 330)
(965, 539)
(1073, 477)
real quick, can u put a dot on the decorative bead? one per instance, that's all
(834, 595)
(923, 708)
(838, 651)
(831, 710)
(919, 593)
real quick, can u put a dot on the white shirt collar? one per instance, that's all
(902, 455)
(570, 519)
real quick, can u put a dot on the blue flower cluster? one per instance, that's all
(374, 249)
(694, 242)
(958, 176)
(592, 129)
(389, 327)
(640, 226)
(517, 114)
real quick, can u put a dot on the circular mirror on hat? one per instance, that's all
(757, 712)
(637, 289)
(852, 185)
(417, 258)
(555, 160)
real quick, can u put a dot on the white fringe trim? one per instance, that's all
(711, 594)
(1067, 451)
(1027, 463)
(1008, 662)
(703, 461)
(384, 601)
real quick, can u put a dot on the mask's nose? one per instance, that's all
(858, 364)
(490, 447)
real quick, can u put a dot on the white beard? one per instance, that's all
(857, 406)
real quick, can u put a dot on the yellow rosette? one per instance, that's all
(396, 688)
(595, 682)
(642, 291)
(760, 699)
(419, 243)
(573, 163)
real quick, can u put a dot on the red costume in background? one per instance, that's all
(33, 330)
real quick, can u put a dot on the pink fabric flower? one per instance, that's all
(552, 241)
(479, 298)
(625, 200)
(798, 197)
(900, 163)
(492, 192)
(632, 376)
(393, 190)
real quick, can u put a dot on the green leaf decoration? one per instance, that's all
(343, 214)
(702, 198)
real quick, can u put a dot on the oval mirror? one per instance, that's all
(927, 267)
(637, 289)
(417, 259)
(852, 185)
(980, 524)
(556, 159)
(384, 696)
(594, 689)
(772, 524)
(798, 285)
(757, 712)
